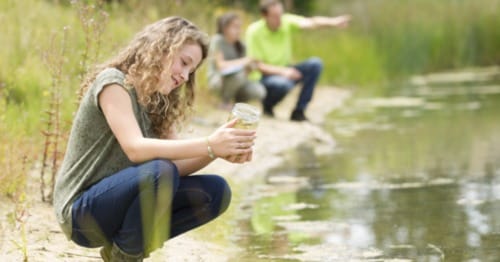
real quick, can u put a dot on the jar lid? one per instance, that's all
(246, 112)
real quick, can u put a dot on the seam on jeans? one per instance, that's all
(203, 209)
(199, 191)
(111, 188)
(98, 195)
(195, 214)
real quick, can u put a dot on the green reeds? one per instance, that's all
(393, 39)
(387, 40)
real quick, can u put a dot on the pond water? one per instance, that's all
(415, 176)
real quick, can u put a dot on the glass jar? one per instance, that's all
(248, 116)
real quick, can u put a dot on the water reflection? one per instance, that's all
(413, 179)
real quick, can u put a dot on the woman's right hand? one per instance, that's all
(248, 61)
(227, 140)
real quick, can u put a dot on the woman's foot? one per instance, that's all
(115, 254)
(105, 253)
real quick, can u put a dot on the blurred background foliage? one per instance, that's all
(387, 41)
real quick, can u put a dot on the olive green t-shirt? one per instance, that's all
(93, 152)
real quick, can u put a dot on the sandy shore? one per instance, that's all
(45, 242)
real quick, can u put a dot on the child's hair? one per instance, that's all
(142, 61)
(225, 20)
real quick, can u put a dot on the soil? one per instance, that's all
(44, 240)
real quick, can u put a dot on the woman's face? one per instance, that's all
(232, 31)
(184, 62)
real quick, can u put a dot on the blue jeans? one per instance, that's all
(278, 86)
(142, 206)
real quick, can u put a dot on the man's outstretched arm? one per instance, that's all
(340, 21)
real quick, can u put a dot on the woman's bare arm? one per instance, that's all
(117, 108)
(223, 64)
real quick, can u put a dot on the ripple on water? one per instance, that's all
(374, 185)
(332, 252)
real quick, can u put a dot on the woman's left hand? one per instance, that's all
(240, 159)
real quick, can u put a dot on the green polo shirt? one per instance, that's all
(272, 47)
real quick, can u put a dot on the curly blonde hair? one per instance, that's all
(143, 60)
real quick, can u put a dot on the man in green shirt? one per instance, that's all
(269, 40)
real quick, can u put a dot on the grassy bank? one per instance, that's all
(391, 39)
(47, 47)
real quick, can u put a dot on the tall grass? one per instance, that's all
(387, 39)
(392, 39)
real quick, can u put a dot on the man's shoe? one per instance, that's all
(268, 112)
(298, 115)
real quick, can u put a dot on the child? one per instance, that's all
(124, 183)
(228, 64)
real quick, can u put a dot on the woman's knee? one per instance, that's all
(159, 172)
(252, 91)
(221, 193)
(168, 171)
(260, 92)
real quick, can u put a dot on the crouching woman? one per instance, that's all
(125, 183)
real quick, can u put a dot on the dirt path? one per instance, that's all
(45, 242)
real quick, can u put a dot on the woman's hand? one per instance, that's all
(239, 159)
(234, 145)
(247, 61)
(252, 64)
